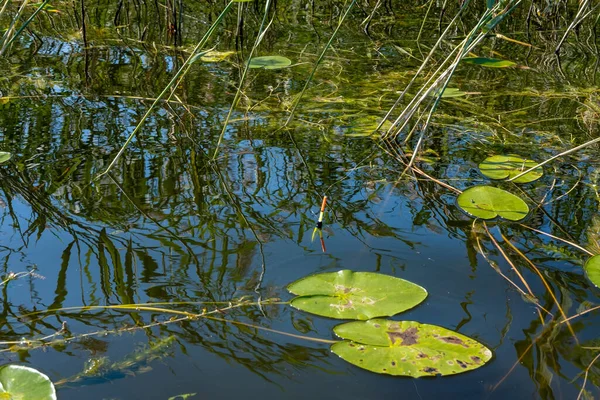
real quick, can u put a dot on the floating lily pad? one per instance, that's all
(408, 348)
(270, 62)
(488, 202)
(213, 56)
(365, 126)
(355, 295)
(592, 270)
(18, 382)
(451, 92)
(489, 62)
(4, 156)
(507, 167)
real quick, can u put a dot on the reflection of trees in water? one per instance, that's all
(170, 215)
(166, 226)
(263, 355)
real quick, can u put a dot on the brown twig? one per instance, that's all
(587, 370)
(559, 239)
(579, 314)
(548, 288)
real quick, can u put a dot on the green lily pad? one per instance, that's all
(365, 126)
(488, 202)
(408, 348)
(355, 295)
(592, 270)
(22, 383)
(451, 92)
(4, 156)
(507, 167)
(489, 62)
(213, 56)
(270, 62)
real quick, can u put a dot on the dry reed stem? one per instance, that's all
(518, 362)
(548, 288)
(587, 370)
(564, 153)
(579, 314)
(559, 239)
(508, 260)
(495, 267)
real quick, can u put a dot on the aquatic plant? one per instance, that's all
(13, 31)
(508, 167)
(355, 295)
(171, 222)
(20, 382)
(408, 348)
(488, 202)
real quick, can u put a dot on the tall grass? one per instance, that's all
(13, 31)
(419, 112)
(261, 33)
(317, 63)
(431, 92)
(173, 83)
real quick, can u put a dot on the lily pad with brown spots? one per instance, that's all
(408, 348)
(355, 295)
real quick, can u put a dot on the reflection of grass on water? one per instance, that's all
(195, 327)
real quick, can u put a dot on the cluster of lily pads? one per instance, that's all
(385, 346)
(488, 202)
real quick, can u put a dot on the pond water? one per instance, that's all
(196, 223)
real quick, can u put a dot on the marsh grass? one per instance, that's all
(14, 30)
(430, 93)
(170, 314)
(298, 98)
(173, 83)
(246, 67)
(420, 110)
(407, 125)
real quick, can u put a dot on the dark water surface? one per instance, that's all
(169, 226)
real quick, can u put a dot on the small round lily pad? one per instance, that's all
(489, 62)
(4, 156)
(355, 295)
(408, 348)
(507, 167)
(270, 62)
(488, 202)
(20, 382)
(451, 92)
(592, 270)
